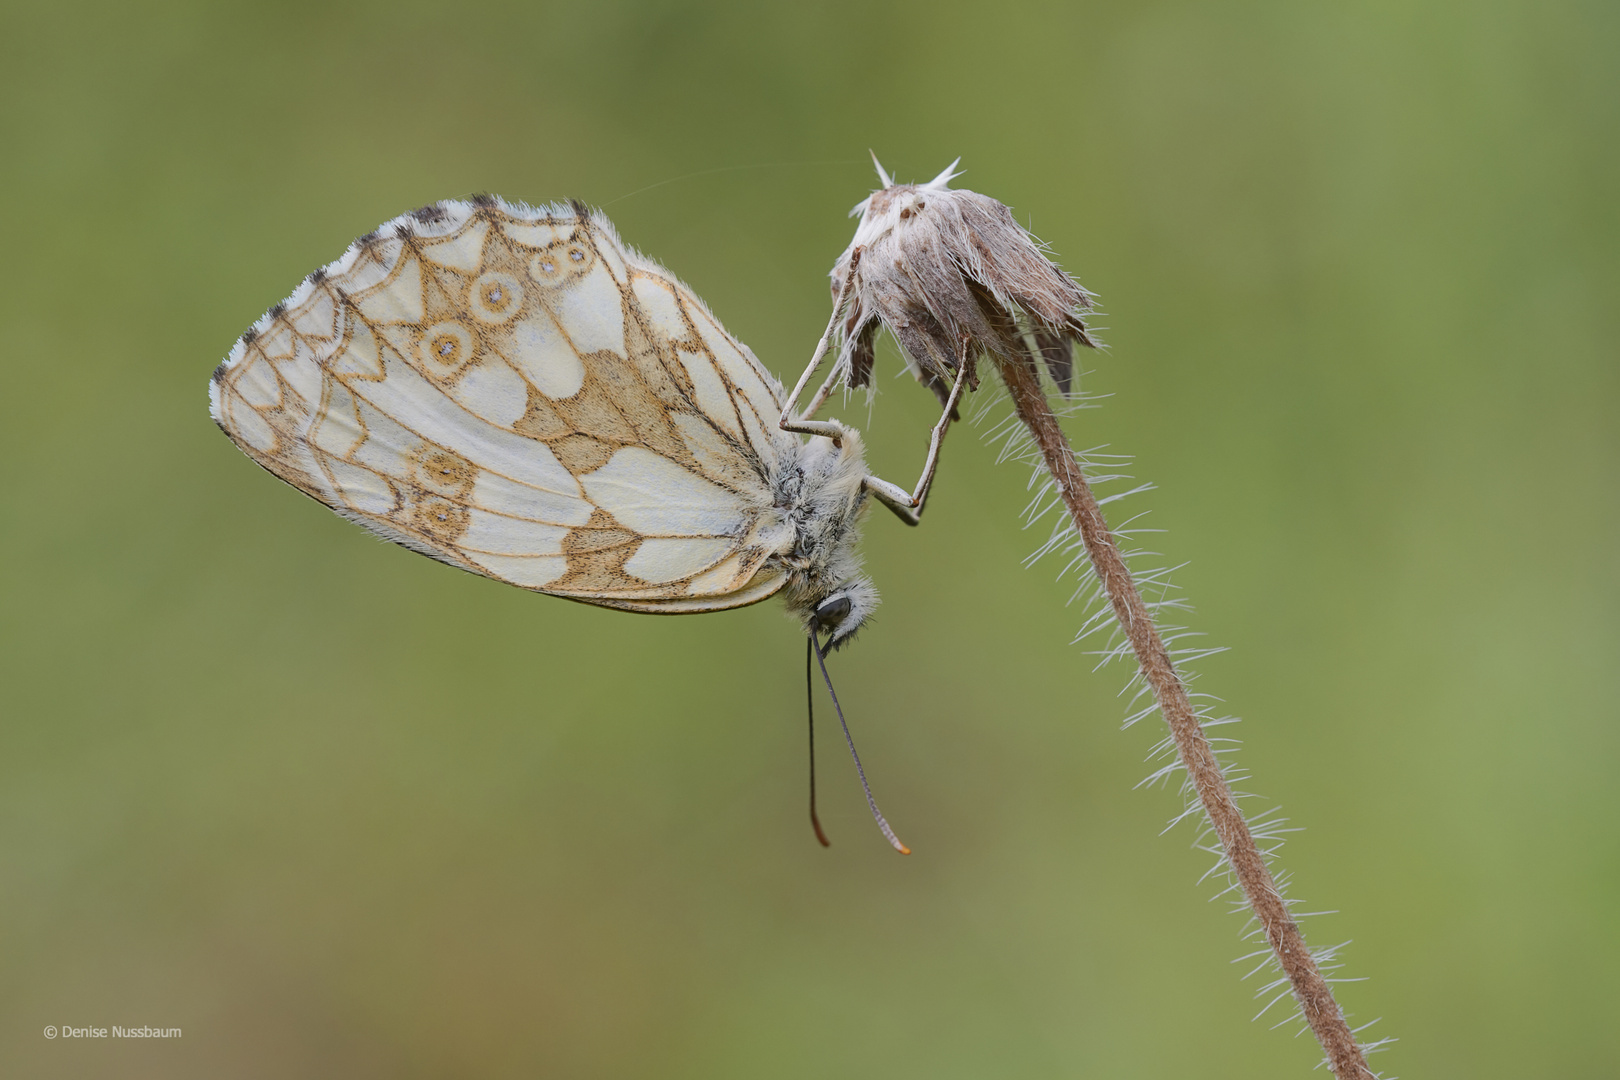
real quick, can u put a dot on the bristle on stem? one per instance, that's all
(1237, 839)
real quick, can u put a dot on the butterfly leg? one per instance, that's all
(908, 507)
(801, 422)
(831, 384)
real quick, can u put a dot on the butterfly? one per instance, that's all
(518, 393)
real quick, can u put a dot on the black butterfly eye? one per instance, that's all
(831, 611)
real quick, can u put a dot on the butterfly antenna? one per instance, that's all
(810, 701)
(883, 825)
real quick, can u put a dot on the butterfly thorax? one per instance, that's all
(820, 497)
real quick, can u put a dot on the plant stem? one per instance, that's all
(1311, 990)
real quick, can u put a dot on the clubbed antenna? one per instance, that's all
(882, 824)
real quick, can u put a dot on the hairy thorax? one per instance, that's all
(820, 500)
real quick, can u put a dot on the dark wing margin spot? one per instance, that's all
(429, 214)
(278, 311)
(483, 200)
(219, 374)
(580, 209)
(367, 239)
(317, 276)
(403, 231)
(248, 335)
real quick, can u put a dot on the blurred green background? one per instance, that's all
(336, 810)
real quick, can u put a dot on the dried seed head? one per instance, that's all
(953, 277)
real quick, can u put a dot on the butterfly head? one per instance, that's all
(843, 611)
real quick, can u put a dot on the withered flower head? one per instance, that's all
(954, 277)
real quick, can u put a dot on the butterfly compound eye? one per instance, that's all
(831, 612)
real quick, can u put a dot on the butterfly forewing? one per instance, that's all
(515, 392)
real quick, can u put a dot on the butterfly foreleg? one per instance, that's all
(801, 422)
(827, 387)
(909, 507)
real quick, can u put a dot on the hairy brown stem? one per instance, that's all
(1311, 990)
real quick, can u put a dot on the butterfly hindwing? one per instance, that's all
(515, 392)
